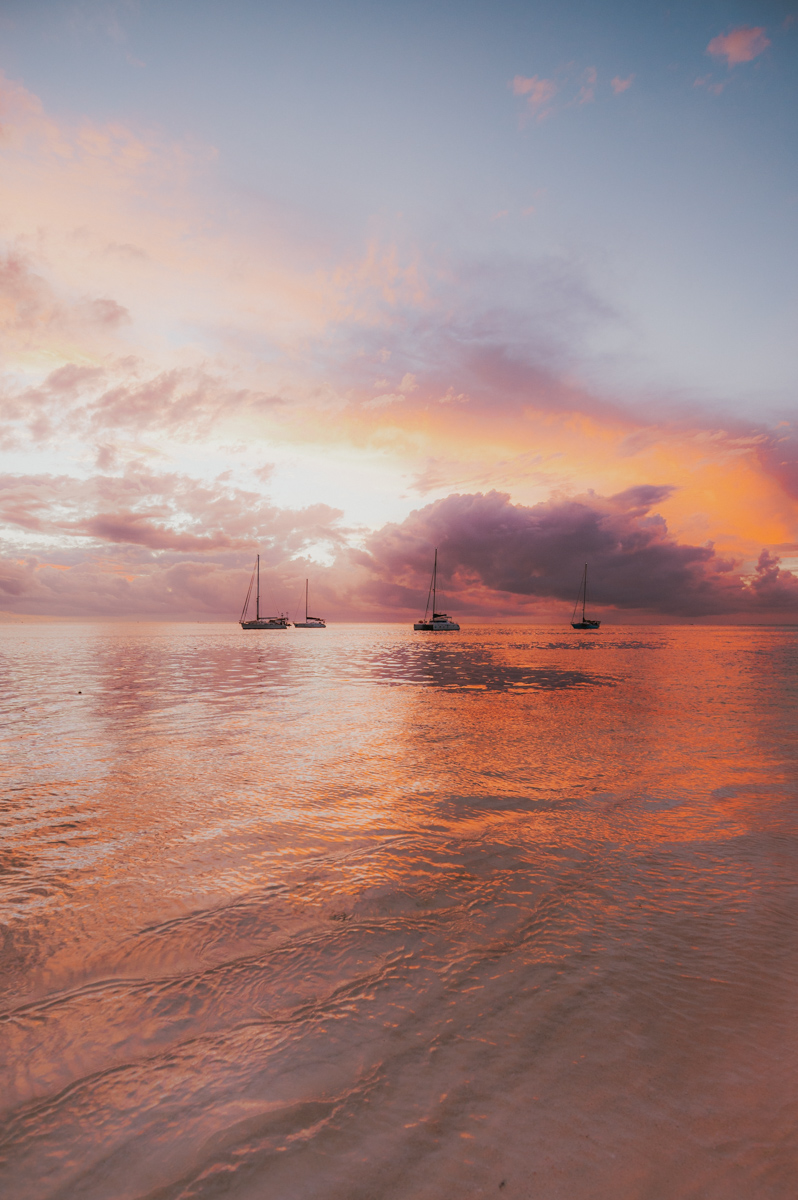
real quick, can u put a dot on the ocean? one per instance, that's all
(369, 914)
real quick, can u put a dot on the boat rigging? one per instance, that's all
(440, 622)
(260, 622)
(586, 622)
(310, 622)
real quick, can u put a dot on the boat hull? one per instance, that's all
(319, 624)
(585, 624)
(265, 624)
(437, 626)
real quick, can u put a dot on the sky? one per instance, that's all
(339, 283)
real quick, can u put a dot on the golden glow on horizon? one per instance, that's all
(124, 260)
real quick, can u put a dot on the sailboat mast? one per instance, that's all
(257, 594)
(434, 583)
(306, 599)
(584, 593)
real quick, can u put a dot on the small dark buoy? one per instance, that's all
(80, 693)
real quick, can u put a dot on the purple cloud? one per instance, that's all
(489, 545)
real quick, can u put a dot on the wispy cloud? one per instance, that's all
(741, 45)
(619, 85)
(713, 86)
(587, 92)
(539, 94)
(160, 510)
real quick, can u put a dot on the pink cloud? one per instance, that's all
(619, 85)
(496, 344)
(105, 311)
(495, 556)
(122, 400)
(587, 92)
(133, 529)
(739, 46)
(706, 81)
(27, 301)
(537, 91)
(33, 313)
(162, 512)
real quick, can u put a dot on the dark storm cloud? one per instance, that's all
(539, 551)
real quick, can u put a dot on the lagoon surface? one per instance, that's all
(366, 914)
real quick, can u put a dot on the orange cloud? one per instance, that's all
(739, 46)
(143, 328)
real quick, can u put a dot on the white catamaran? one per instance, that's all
(586, 622)
(260, 622)
(440, 622)
(310, 622)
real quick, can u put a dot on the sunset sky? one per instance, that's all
(341, 282)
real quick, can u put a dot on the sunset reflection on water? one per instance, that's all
(366, 913)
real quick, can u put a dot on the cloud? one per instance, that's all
(133, 529)
(26, 300)
(147, 543)
(587, 92)
(619, 85)
(161, 511)
(488, 545)
(169, 543)
(776, 451)
(740, 45)
(706, 81)
(121, 401)
(132, 344)
(100, 203)
(119, 586)
(106, 312)
(538, 93)
(33, 314)
(772, 586)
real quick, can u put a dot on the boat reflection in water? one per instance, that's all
(260, 622)
(467, 666)
(438, 622)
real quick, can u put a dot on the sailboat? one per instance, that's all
(586, 622)
(260, 622)
(440, 622)
(310, 622)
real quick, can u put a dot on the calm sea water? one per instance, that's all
(364, 914)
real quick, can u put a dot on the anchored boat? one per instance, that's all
(586, 622)
(310, 622)
(439, 622)
(260, 622)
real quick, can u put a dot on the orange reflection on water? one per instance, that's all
(283, 909)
